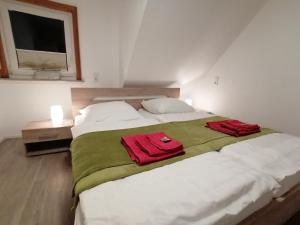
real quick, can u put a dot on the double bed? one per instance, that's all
(246, 181)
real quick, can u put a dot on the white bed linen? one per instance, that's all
(170, 117)
(206, 189)
(83, 127)
(277, 155)
(79, 119)
(234, 189)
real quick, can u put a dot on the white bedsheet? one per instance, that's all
(206, 189)
(277, 155)
(83, 127)
(165, 118)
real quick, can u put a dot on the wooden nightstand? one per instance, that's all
(44, 138)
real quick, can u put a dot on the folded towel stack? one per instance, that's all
(148, 148)
(234, 127)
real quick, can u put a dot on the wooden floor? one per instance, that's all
(295, 220)
(37, 190)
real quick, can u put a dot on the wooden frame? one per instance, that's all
(59, 7)
(82, 97)
(278, 211)
(3, 69)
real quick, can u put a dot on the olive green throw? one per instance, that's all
(99, 157)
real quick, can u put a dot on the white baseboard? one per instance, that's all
(9, 137)
(12, 136)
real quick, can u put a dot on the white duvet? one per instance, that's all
(213, 188)
(207, 189)
(277, 155)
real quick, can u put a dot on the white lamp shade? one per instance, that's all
(57, 115)
(189, 101)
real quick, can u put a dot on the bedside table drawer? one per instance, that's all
(31, 136)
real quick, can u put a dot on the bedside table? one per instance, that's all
(44, 138)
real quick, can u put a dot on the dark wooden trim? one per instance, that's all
(76, 43)
(3, 70)
(69, 9)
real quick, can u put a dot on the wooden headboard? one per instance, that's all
(82, 97)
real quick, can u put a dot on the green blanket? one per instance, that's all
(99, 157)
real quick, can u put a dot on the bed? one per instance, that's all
(237, 188)
(276, 154)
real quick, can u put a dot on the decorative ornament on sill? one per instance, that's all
(47, 75)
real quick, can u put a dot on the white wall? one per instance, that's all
(24, 101)
(182, 39)
(259, 73)
(1, 130)
(99, 41)
(130, 16)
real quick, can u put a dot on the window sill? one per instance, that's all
(2, 80)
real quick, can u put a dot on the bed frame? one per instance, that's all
(276, 212)
(82, 97)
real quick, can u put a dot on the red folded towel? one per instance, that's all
(145, 145)
(234, 127)
(153, 146)
(172, 145)
(142, 151)
(239, 126)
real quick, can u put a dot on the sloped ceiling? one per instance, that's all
(179, 40)
(130, 17)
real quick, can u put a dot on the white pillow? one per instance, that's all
(110, 111)
(167, 105)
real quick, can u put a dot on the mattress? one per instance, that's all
(207, 189)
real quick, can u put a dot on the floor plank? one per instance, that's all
(295, 220)
(35, 190)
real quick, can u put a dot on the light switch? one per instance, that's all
(217, 79)
(96, 76)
